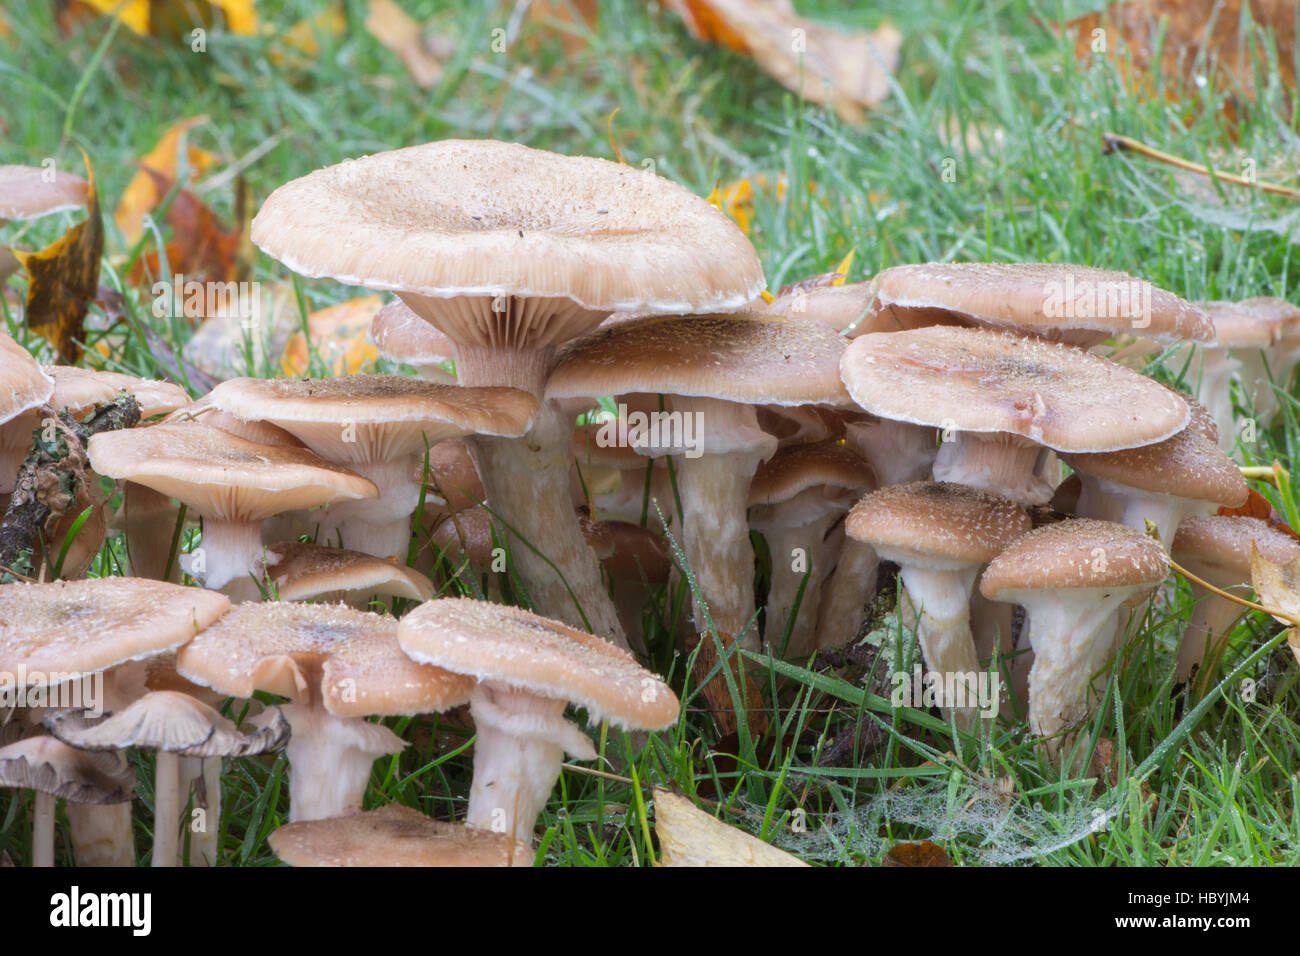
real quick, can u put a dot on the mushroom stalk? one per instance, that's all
(379, 526)
(844, 597)
(936, 603)
(999, 462)
(43, 830)
(229, 551)
(102, 835)
(1136, 507)
(166, 808)
(519, 745)
(1206, 632)
(205, 844)
(330, 759)
(797, 554)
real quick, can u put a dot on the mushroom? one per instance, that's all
(528, 668)
(1003, 400)
(402, 336)
(394, 836)
(337, 666)
(940, 535)
(1241, 336)
(313, 572)
(380, 426)
(24, 387)
(612, 480)
(55, 771)
(1216, 548)
(635, 559)
(1071, 578)
(234, 484)
(30, 192)
(508, 271)
(175, 725)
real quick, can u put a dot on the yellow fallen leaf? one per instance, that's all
(142, 193)
(1278, 587)
(339, 335)
(146, 16)
(690, 837)
(134, 14)
(393, 27)
(241, 18)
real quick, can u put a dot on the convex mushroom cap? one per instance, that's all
(312, 572)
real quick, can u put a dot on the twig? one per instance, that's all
(1115, 141)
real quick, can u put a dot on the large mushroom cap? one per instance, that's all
(1185, 466)
(1077, 553)
(394, 836)
(484, 218)
(741, 358)
(303, 572)
(391, 415)
(29, 192)
(493, 642)
(23, 384)
(977, 380)
(82, 627)
(937, 519)
(1046, 298)
(220, 475)
(350, 658)
(48, 765)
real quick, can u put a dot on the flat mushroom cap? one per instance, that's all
(1069, 554)
(393, 415)
(977, 380)
(1239, 326)
(938, 519)
(23, 384)
(47, 765)
(493, 642)
(740, 358)
(202, 410)
(1220, 545)
(1185, 466)
(172, 722)
(83, 627)
(350, 658)
(479, 217)
(79, 389)
(26, 192)
(302, 572)
(222, 476)
(394, 835)
(402, 336)
(799, 467)
(1044, 298)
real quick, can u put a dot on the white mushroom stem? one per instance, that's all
(380, 526)
(227, 552)
(1213, 371)
(1255, 376)
(99, 834)
(166, 809)
(330, 759)
(937, 603)
(43, 829)
(520, 742)
(899, 452)
(845, 596)
(999, 462)
(1206, 631)
(1134, 507)
(797, 553)
(205, 844)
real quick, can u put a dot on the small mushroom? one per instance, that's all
(313, 572)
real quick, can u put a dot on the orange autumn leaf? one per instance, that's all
(916, 854)
(339, 335)
(202, 248)
(1257, 506)
(142, 194)
(303, 36)
(172, 17)
(63, 279)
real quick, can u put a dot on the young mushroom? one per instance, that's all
(313, 572)
(528, 669)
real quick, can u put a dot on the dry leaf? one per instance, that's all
(339, 334)
(142, 193)
(393, 27)
(63, 278)
(1277, 585)
(202, 249)
(916, 854)
(1257, 506)
(690, 837)
(847, 71)
(174, 17)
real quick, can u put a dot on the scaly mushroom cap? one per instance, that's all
(350, 658)
(740, 358)
(977, 380)
(29, 192)
(47, 765)
(172, 722)
(800, 467)
(452, 475)
(1217, 547)
(1076, 553)
(402, 336)
(388, 415)
(1185, 466)
(937, 519)
(463, 218)
(23, 384)
(80, 389)
(221, 476)
(394, 836)
(493, 642)
(1045, 298)
(302, 572)
(82, 627)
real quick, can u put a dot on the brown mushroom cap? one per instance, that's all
(48, 765)
(740, 358)
(222, 476)
(82, 627)
(202, 410)
(1217, 547)
(482, 218)
(1185, 466)
(79, 389)
(977, 380)
(453, 475)
(800, 467)
(23, 384)
(390, 415)
(493, 642)
(1076, 553)
(302, 572)
(1045, 298)
(350, 658)
(29, 192)
(1239, 326)
(468, 531)
(938, 519)
(402, 336)
(394, 835)
(628, 552)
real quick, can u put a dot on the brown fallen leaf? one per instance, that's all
(690, 837)
(142, 193)
(848, 72)
(202, 249)
(394, 28)
(916, 854)
(339, 334)
(63, 278)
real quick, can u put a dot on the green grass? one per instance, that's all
(982, 85)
